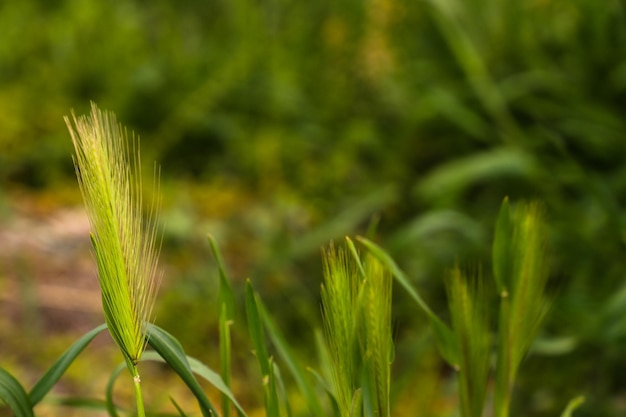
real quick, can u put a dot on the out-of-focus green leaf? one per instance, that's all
(54, 373)
(180, 410)
(502, 262)
(255, 327)
(444, 337)
(109, 403)
(572, 406)
(297, 371)
(14, 395)
(344, 222)
(451, 178)
(434, 222)
(226, 313)
(226, 296)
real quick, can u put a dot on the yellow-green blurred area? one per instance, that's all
(280, 125)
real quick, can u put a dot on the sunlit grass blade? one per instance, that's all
(444, 337)
(54, 373)
(14, 396)
(108, 397)
(226, 313)
(255, 327)
(174, 355)
(468, 302)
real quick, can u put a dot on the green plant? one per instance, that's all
(356, 299)
(356, 304)
(520, 272)
(107, 165)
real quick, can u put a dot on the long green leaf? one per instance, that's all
(298, 372)
(225, 295)
(180, 410)
(226, 313)
(109, 403)
(444, 337)
(54, 373)
(327, 388)
(255, 327)
(173, 353)
(501, 252)
(215, 379)
(14, 395)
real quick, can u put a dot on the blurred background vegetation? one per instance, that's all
(280, 125)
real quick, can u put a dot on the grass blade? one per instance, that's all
(501, 248)
(226, 295)
(172, 352)
(109, 403)
(293, 364)
(255, 327)
(54, 373)
(216, 380)
(205, 372)
(14, 395)
(226, 314)
(572, 406)
(180, 410)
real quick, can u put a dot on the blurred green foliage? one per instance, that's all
(321, 114)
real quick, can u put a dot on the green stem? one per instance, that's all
(137, 382)
(502, 394)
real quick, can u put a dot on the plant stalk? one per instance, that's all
(137, 383)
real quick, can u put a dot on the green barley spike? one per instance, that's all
(126, 244)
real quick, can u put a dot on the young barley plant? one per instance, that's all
(521, 273)
(356, 300)
(125, 243)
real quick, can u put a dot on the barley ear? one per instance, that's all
(126, 244)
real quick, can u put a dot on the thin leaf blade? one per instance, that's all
(14, 395)
(173, 353)
(54, 373)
